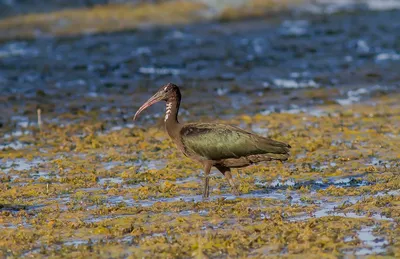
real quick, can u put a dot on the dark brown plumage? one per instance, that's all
(212, 144)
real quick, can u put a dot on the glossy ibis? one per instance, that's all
(212, 144)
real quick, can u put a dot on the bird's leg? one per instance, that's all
(207, 169)
(226, 171)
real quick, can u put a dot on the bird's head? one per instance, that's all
(165, 93)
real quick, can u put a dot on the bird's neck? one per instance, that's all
(171, 115)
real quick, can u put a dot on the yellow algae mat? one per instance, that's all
(77, 190)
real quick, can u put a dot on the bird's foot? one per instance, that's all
(206, 191)
(206, 194)
(206, 198)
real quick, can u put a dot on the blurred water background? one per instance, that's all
(273, 58)
(14, 7)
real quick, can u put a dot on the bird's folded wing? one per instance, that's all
(220, 141)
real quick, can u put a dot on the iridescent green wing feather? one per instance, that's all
(220, 141)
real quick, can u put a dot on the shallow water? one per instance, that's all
(92, 178)
(375, 245)
(261, 65)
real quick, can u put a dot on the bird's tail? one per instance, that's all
(253, 159)
(268, 157)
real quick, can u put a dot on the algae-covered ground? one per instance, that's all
(124, 16)
(78, 190)
(80, 179)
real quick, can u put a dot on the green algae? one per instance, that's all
(89, 192)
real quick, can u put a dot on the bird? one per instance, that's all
(213, 144)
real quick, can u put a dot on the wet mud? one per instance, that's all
(84, 180)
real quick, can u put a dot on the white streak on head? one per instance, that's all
(168, 110)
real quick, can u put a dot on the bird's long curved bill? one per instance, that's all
(147, 104)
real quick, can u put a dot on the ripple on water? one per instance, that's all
(20, 164)
(76, 242)
(160, 71)
(17, 133)
(108, 180)
(199, 198)
(352, 96)
(334, 6)
(16, 145)
(110, 165)
(294, 27)
(278, 183)
(331, 208)
(151, 164)
(387, 56)
(291, 83)
(145, 164)
(17, 49)
(375, 245)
